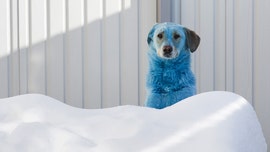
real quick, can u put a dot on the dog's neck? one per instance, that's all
(169, 75)
(180, 63)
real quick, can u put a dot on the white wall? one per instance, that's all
(89, 54)
(234, 51)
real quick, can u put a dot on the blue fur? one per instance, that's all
(168, 80)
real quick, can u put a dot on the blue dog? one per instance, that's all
(170, 78)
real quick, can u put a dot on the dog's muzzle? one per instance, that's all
(167, 51)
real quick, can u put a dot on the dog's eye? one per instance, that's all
(160, 36)
(176, 36)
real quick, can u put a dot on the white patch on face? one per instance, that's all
(166, 42)
(162, 54)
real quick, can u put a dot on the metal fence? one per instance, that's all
(89, 54)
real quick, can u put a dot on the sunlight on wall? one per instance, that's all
(95, 11)
(57, 15)
(57, 42)
(38, 24)
(75, 14)
(64, 16)
(4, 30)
(112, 10)
(127, 4)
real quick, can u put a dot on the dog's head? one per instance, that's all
(169, 39)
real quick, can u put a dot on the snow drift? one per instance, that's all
(208, 122)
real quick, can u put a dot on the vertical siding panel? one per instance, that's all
(23, 44)
(239, 56)
(92, 55)
(188, 16)
(36, 62)
(14, 51)
(46, 60)
(147, 18)
(110, 54)
(129, 53)
(73, 54)
(4, 46)
(261, 62)
(55, 49)
(176, 7)
(220, 46)
(230, 45)
(165, 11)
(196, 55)
(206, 54)
(243, 48)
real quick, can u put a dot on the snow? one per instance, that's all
(208, 122)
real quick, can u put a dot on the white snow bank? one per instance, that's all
(208, 122)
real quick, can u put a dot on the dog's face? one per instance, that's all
(169, 39)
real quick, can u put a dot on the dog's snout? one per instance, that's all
(167, 49)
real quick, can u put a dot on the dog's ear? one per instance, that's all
(151, 34)
(192, 40)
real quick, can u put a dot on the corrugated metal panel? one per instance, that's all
(261, 70)
(93, 57)
(56, 33)
(224, 60)
(37, 46)
(233, 54)
(23, 49)
(89, 54)
(73, 53)
(5, 15)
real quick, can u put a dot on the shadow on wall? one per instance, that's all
(92, 61)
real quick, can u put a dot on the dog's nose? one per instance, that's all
(167, 49)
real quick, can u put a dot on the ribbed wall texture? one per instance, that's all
(234, 51)
(86, 53)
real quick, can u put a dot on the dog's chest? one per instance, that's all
(167, 80)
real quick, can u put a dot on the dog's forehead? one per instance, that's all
(169, 27)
